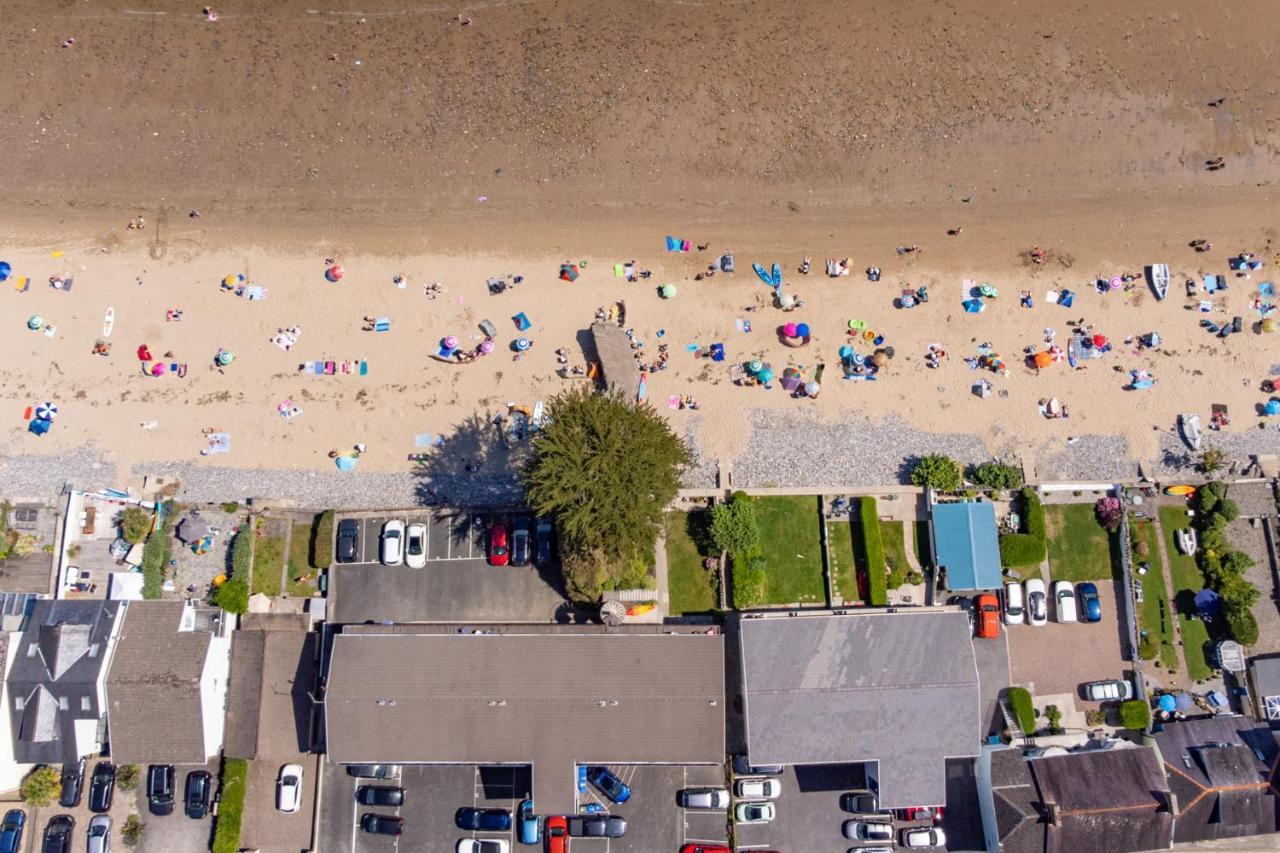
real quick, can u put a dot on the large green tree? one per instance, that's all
(605, 469)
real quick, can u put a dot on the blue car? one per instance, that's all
(1089, 602)
(11, 831)
(610, 785)
(493, 820)
(527, 824)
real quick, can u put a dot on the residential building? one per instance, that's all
(896, 691)
(167, 687)
(965, 544)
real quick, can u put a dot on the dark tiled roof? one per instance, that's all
(244, 694)
(267, 705)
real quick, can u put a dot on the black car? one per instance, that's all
(521, 541)
(160, 781)
(493, 820)
(743, 767)
(597, 826)
(543, 554)
(860, 802)
(57, 834)
(348, 540)
(102, 787)
(72, 784)
(379, 824)
(376, 795)
(196, 795)
(373, 771)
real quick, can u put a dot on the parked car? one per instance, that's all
(557, 831)
(373, 771)
(704, 848)
(381, 824)
(755, 812)
(392, 542)
(15, 821)
(499, 547)
(289, 788)
(1064, 601)
(1107, 690)
(1090, 605)
(482, 845)
(1037, 602)
(988, 616)
(860, 802)
(543, 554)
(923, 836)
(415, 546)
(597, 826)
(868, 830)
(876, 849)
(915, 813)
(1014, 613)
(743, 767)
(196, 795)
(72, 784)
(379, 795)
(703, 798)
(102, 787)
(609, 784)
(491, 820)
(99, 834)
(527, 824)
(57, 834)
(521, 541)
(757, 789)
(160, 781)
(348, 545)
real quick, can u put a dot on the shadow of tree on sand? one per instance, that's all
(475, 468)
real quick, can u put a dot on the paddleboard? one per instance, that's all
(537, 414)
(641, 609)
(777, 275)
(1180, 491)
(642, 391)
(763, 273)
(108, 322)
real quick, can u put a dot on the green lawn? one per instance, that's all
(1154, 615)
(1187, 581)
(1079, 549)
(690, 587)
(895, 552)
(844, 575)
(302, 577)
(790, 543)
(268, 560)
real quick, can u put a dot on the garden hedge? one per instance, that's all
(1135, 714)
(1023, 711)
(873, 552)
(226, 829)
(322, 540)
(233, 596)
(1030, 548)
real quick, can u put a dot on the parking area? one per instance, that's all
(654, 820)
(992, 657)
(266, 828)
(173, 831)
(456, 584)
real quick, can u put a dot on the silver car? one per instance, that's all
(100, 834)
(703, 798)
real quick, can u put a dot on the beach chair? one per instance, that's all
(382, 324)
(329, 368)
(22, 284)
(364, 368)
(489, 330)
(522, 322)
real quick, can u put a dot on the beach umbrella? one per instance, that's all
(158, 368)
(1099, 341)
(5, 269)
(39, 426)
(907, 300)
(144, 353)
(35, 322)
(568, 272)
(988, 291)
(523, 344)
(1053, 407)
(1168, 704)
(1268, 325)
(1116, 283)
(335, 273)
(812, 388)
(450, 342)
(486, 347)
(1057, 354)
(46, 411)
(859, 358)
(789, 330)
(974, 306)
(846, 351)
(1272, 407)
(1043, 359)
(790, 372)
(224, 357)
(802, 330)
(765, 376)
(755, 365)
(667, 291)
(346, 462)
(232, 280)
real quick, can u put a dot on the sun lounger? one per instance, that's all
(22, 284)
(330, 368)
(364, 368)
(382, 324)
(255, 293)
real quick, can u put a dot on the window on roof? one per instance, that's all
(86, 704)
(32, 650)
(93, 650)
(19, 702)
(62, 703)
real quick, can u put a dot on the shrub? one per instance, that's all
(1242, 625)
(231, 507)
(1054, 716)
(915, 577)
(1030, 548)
(226, 829)
(1228, 510)
(1023, 711)
(1094, 717)
(873, 552)
(584, 574)
(127, 777)
(733, 525)
(997, 475)
(135, 524)
(1110, 513)
(937, 472)
(24, 545)
(749, 580)
(1135, 714)
(131, 832)
(322, 540)
(233, 596)
(1148, 648)
(42, 786)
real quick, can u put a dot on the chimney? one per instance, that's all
(1054, 813)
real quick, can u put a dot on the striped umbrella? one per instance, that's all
(46, 411)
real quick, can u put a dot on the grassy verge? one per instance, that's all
(843, 574)
(268, 560)
(1079, 548)
(1154, 615)
(789, 542)
(226, 830)
(920, 542)
(870, 553)
(895, 552)
(302, 577)
(157, 553)
(690, 587)
(1187, 581)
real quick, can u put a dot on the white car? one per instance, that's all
(289, 788)
(1013, 612)
(757, 789)
(415, 546)
(393, 543)
(923, 836)
(1064, 600)
(482, 845)
(1108, 690)
(100, 834)
(703, 798)
(1037, 602)
(755, 812)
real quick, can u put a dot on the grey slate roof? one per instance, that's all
(549, 700)
(60, 656)
(897, 688)
(153, 689)
(267, 703)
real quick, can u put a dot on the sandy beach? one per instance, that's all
(400, 142)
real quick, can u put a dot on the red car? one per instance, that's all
(557, 833)
(923, 812)
(499, 547)
(706, 848)
(988, 609)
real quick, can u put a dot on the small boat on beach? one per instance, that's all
(1180, 491)
(1158, 275)
(1186, 540)
(763, 273)
(1189, 429)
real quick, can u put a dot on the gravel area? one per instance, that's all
(1092, 458)
(702, 473)
(42, 477)
(1176, 458)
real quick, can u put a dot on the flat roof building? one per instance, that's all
(965, 544)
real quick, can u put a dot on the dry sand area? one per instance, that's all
(398, 139)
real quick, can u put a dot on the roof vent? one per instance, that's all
(386, 703)
(1054, 812)
(601, 703)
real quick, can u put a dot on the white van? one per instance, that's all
(1014, 614)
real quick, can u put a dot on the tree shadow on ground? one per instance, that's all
(476, 466)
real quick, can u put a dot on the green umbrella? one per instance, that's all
(668, 291)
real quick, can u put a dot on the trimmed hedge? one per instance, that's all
(233, 596)
(322, 540)
(1023, 711)
(1030, 548)
(873, 552)
(226, 830)
(1135, 714)
(157, 553)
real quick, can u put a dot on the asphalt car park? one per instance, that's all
(1038, 655)
(174, 831)
(654, 819)
(456, 584)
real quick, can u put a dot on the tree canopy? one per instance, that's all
(937, 471)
